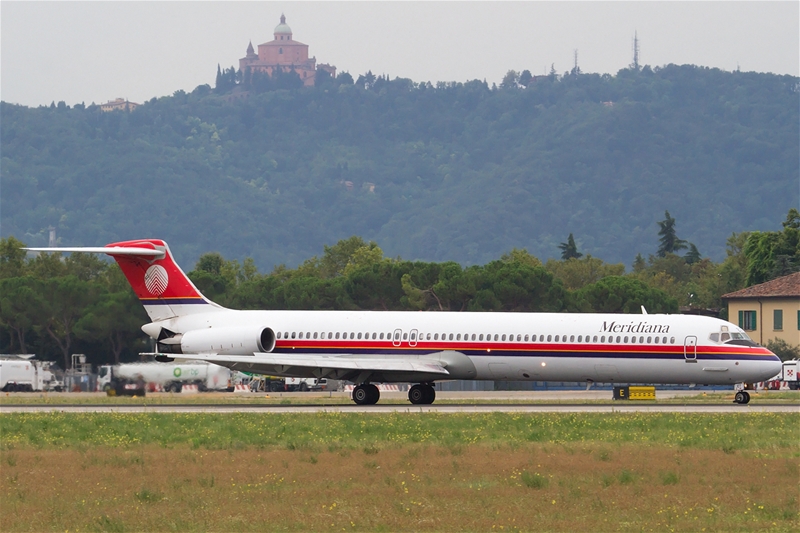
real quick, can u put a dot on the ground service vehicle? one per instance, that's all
(789, 373)
(306, 384)
(368, 347)
(171, 377)
(26, 375)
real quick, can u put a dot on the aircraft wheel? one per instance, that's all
(374, 394)
(363, 394)
(430, 394)
(421, 394)
(742, 397)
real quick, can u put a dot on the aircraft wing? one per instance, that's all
(338, 366)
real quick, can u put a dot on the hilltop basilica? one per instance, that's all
(286, 54)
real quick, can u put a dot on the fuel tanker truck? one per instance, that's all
(170, 376)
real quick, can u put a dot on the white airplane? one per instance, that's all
(368, 347)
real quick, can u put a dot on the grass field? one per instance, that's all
(335, 398)
(399, 472)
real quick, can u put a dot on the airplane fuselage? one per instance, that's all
(501, 346)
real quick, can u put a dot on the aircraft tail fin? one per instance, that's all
(161, 286)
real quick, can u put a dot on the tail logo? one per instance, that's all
(156, 280)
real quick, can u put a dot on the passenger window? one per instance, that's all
(549, 338)
(337, 334)
(458, 337)
(315, 334)
(359, 336)
(352, 335)
(671, 341)
(503, 337)
(428, 337)
(301, 335)
(330, 335)
(397, 336)
(381, 336)
(405, 336)
(480, 337)
(656, 340)
(279, 335)
(580, 338)
(474, 336)
(626, 339)
(649, 340)
(413, 336)
(618, 339)
(572, 338)
(603, 338)
(374, 336)
(526, 338)
(436, 336)
(496, 337)
(294, 334)
(641, 340)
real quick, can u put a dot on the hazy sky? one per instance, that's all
(96, 51)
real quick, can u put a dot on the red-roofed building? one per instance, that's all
(769, 310)
(285, 54)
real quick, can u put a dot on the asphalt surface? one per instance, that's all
(396, 402)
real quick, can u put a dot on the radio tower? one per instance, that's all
(635, 64)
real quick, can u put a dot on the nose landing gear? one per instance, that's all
(742, 397)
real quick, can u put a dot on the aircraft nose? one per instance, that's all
(773, 365)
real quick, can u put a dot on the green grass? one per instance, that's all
(761, 433)
(337, 398)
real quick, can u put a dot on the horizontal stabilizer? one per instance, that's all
(110, 250)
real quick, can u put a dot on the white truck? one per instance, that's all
(789, 373)
(26, 375)
(170, 376)
(306, 384)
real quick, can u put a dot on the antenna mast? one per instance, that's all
(635, 63)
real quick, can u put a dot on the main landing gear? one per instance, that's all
(366, 394)
(422, 393)
(742, 397)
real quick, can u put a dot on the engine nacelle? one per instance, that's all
(239, 340)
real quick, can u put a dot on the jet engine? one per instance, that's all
(238, 340)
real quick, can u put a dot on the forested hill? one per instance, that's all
(459, 172)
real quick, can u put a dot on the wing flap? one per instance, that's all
(321, 363)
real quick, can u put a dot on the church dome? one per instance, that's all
(283, 28)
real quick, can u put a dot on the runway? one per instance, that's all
(393, 402)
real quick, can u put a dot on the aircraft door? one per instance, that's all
(412, 339)
(398, 333)
(690, 349)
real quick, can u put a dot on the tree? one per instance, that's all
(693, 255)
(20, 308)
(617, 294)
(771, 254)
(525, 78)
(569, 250)
(115, 318)
(12, 258)
(577, 273)
(64, 302)
(668, 240)
(510, 80)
